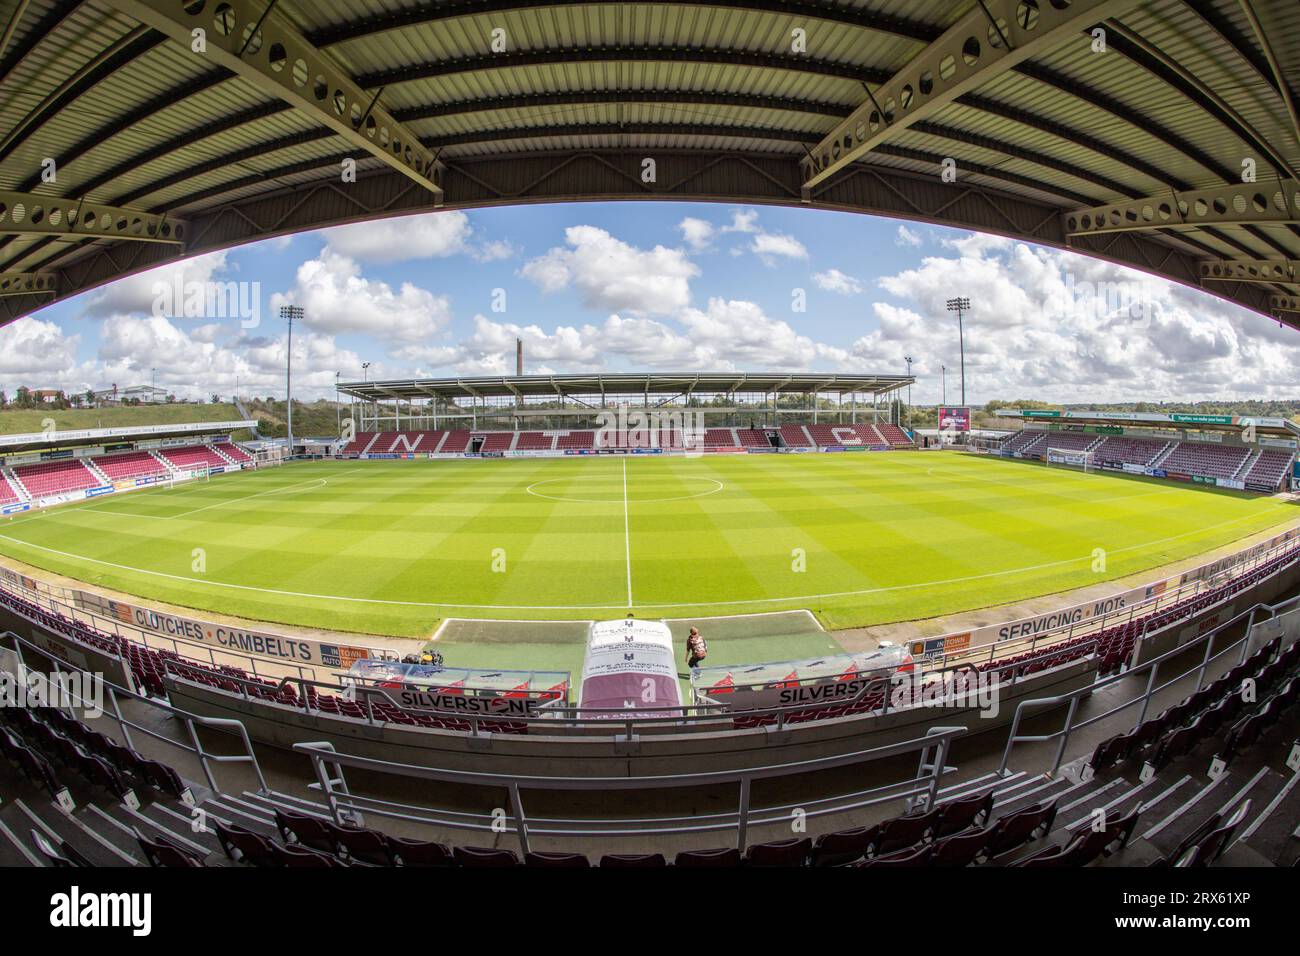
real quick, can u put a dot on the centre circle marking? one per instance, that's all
(717, 486)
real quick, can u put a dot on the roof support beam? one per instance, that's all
(992, 38)
(1284, 303)
(1250, 270)
(259, 44)
(1232, 205)
(28, 283)
(1283, 90)
(435, 13)
(33, 214)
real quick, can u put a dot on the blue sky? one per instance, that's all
(658, 286)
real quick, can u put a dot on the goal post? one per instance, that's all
(1072, 457)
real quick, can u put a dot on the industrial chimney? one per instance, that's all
(519, 357)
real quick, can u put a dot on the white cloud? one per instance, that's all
(1057, 326)
(696, 233)
(611, 275)
(906, 237)
(338, 298)
(37, 354)
(425, 236)
(770, 245)
(833, 280)
(136, 294)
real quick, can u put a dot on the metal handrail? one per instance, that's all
(920, 790)
(191, 721)
(1024, 707)
(565, 716)
(113, 628)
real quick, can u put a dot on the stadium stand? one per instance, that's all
(497, 441)
(360, 444)
(721, 438)
(895, 436)
(1130, 451)
(534, 441)
(752, 438)
(8, 493)
(576, 440)
(56, 477)
(456, 442)
(794, 436)
(1270, 467)
(1205, 459)
(136, 464)
(1025, 442)
(233, 452)
(193, 457)
(1069, 441)
(825, 436)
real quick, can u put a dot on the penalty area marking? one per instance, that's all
(314, 482)
(593, 607)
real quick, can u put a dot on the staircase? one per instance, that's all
(1165, 453)
(96, 471)
(16, 484)
(1248, 464)
(247, 417)
(171, 469)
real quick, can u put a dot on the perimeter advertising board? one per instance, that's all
(281, 647)
(1089, 611)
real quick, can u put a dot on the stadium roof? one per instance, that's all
(622, 384)
(12, 444)
(1134, 154)
(1231, 423)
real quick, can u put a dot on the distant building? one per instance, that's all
(47, 395)
(144, 394)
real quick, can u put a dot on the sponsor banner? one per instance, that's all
(760, 451)
(1205, 419)
(1260, 486)
(1231, 483)
(455, 701)
(726, 449)
(1156, 472)
(1033, 413)
(15, 508)
(954, 418)
(101, 490)
(372, 456)
(221, 636)
(1133, 469)
(1094, 610)
(824, 680)
(52, 500)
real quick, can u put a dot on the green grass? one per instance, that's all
(16, 421)
(391, 547)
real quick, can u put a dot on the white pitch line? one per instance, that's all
(627, 537)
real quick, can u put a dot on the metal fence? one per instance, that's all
(1142, 700)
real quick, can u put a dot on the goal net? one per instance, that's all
(267, 459)
(1073, 457)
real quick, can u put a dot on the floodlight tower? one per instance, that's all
(908, 359)
(960, 305)
(289, 313)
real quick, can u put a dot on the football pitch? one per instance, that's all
(393, 547)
